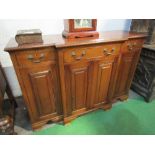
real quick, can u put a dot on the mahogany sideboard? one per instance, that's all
(64, 78)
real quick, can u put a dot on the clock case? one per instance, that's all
(71, 32)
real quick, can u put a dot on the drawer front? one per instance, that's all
(132, 45)
(33, 57)
(90, 52)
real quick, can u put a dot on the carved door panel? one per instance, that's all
(78, 79)
(42, 88)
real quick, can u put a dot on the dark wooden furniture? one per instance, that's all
(72, 32)
(6, 108)
(64, 78)
(144, 79)
(144, 25)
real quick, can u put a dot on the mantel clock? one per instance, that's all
(80, 28)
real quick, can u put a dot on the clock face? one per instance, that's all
(82, 23)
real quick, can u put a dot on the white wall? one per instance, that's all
(8, 29)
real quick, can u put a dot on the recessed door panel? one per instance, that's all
(103, 79)
(77, 83)
(43, 91)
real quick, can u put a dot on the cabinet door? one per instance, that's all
(42, 88)
(124, 75)
(103, 71)
(103, 79)
(78, 78)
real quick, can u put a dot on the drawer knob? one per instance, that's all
(130, 47)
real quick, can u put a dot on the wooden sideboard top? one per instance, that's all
(58, 41)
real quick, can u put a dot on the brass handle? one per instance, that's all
(106, 52)
(42, 55)
(79, 57)
(113, 49)
(134, 44)
(130, 47)
(73, 54)
(31, 58)
(36, 61)
(83, 53)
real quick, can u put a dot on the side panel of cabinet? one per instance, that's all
(124, 74)
(133, 67)
(42, 87)
(129, 57)
(78, 82)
